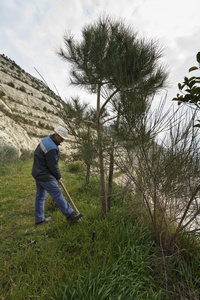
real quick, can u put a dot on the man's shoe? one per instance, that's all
(46, 220)
(74, 216)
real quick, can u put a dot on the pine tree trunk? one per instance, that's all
(88, 174)
(110, 179)
(101, 160)
(103, 184)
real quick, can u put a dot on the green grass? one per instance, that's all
(61, 261)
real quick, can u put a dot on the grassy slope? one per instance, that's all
(61, 261)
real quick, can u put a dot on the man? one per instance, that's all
(46, 171)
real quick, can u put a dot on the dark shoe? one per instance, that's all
(46, 220)
(74, 216)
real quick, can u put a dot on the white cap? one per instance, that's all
(61, 131)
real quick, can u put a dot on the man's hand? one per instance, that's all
(59, 180)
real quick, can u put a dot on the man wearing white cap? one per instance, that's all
(46, 171)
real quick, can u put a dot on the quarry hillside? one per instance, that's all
(29, 110)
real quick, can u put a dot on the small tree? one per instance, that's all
(79, 120)
(87, 150)
(109, 60)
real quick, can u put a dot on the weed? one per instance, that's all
(75, 167)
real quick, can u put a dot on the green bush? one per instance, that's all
(41, 125)
(43, 98)
(2, 94)
(22, 89)
(11, 84)
(75, 167)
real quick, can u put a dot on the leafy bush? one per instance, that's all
(2, 94)
(22, 89)
(41, 125)
(43, 98)
(75, 167)
(11, 84)
(49, 127)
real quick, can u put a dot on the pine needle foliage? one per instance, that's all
(110, 59)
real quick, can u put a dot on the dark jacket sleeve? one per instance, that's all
(52, 158)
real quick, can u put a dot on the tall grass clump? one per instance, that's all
(76, 167)
(8, 153)
(8, 156)
(121, 270)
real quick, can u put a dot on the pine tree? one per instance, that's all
(110, 60)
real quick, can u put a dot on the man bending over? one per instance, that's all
(46, 172)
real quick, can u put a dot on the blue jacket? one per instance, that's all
(46, 156)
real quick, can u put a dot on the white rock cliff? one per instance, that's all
(29, 110)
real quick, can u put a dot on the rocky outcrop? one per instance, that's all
(29, 110)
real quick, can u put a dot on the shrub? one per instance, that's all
(43, 98)
(8, 153)
(11, 84)
(49, 127)
(2, 94)
(22, 89)
(41, 125)
(76, 167)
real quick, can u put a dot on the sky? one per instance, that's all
(31, 31)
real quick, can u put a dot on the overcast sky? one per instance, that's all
(32, 30)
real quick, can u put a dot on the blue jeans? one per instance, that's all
(55, 192)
